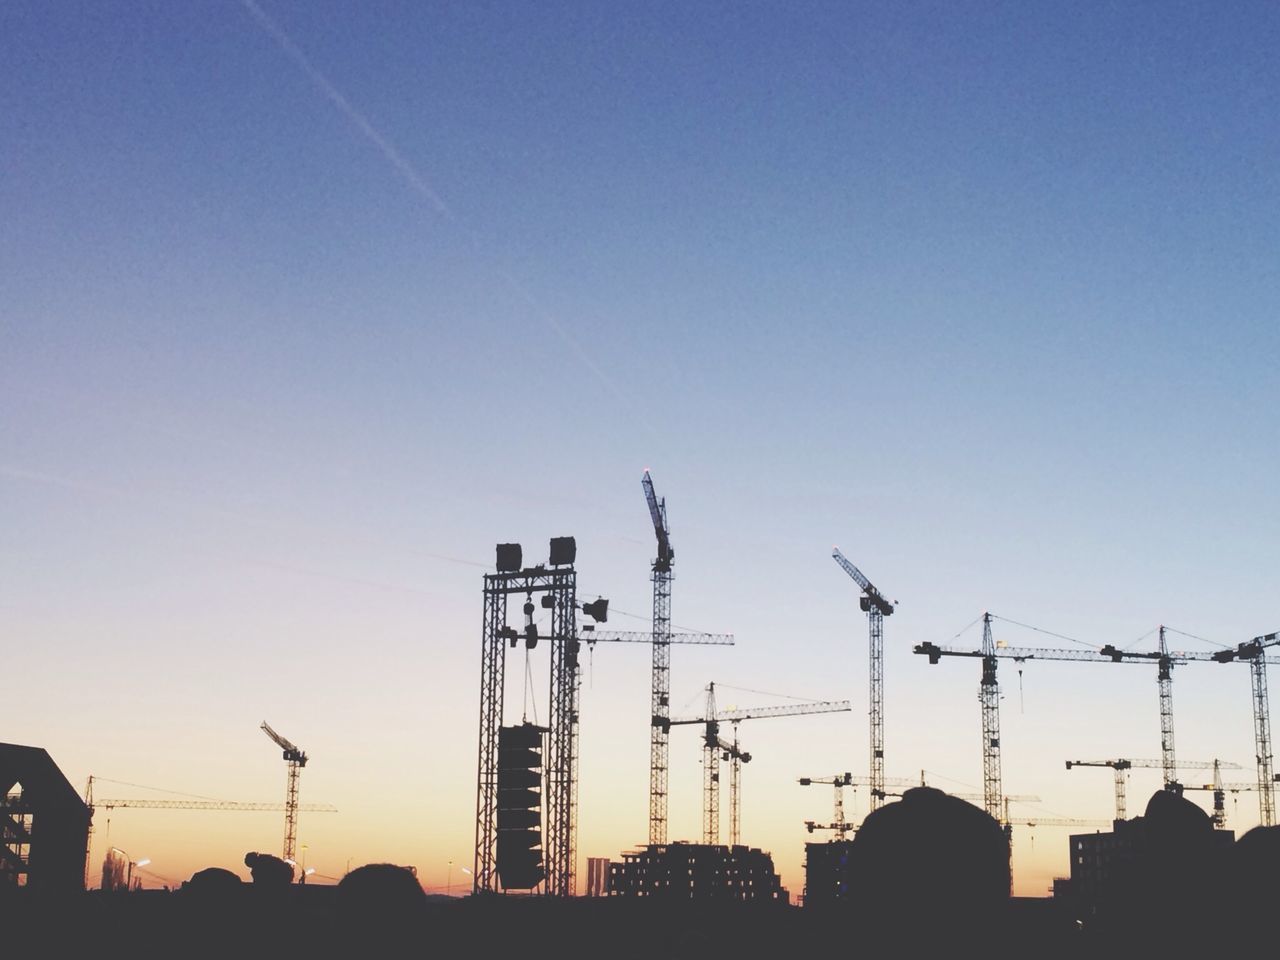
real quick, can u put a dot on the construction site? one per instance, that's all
(342, 617)
(526, 805)
(528, 782)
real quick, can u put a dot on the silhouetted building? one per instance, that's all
(597, 876)
(45, 824)
(826, 872)
(1100, 861)
(697, 871)
(1095, 858)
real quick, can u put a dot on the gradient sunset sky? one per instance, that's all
(305, 306)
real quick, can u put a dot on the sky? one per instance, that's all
(305, 306)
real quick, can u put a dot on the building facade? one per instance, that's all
(826, 872)
(44, 825)
(699, 872)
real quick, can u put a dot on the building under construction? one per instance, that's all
(1100, 860)
(697, 871)
(45, 824)
(826, 872)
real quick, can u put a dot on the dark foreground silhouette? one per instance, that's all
(268, 870)
(929, 876)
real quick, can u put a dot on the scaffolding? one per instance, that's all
(557, 586)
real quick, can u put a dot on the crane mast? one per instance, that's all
(737, 757)
(660, 686)
(989, 697)
(876, 608)
(296, 760)
(1252, 651)
(1164, 679)
(1262, 742)
(711, 772)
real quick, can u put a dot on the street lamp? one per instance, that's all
(449, 885)
(128, 883)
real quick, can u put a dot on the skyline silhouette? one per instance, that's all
(307, 306)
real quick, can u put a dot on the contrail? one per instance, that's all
(394, 156)
(420, 186)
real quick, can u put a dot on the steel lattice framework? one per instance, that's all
(877, 608)
(1121, 767)
(711, 773)
(296, 760)
(230, 805)
(1262, 742)
(562, 747)
(1164, 659)
(1164, 680)
(989, 697)
(561, 767)
(1252, 651)
(660, 686)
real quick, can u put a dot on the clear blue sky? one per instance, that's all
(305, 303)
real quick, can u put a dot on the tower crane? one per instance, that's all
(838, 823)
(1251, 651)
(1121, 767)
(660, 686)
(713, 748)
(1008, 822)
(736, 757)
(110, 804)
(989, 692)
(876, 607)
(898, 785)
(1220, 791)
(296, 760)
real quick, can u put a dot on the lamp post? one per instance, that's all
(449, 885)
(128, 883)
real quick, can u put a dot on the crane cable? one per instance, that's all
(766, 693)
(143, 786)
(1050, 633)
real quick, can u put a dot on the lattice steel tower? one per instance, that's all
(989, 697)
(296, 760)
(557, 584)
(876, 608)
(660, 689)
(1164, 680)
